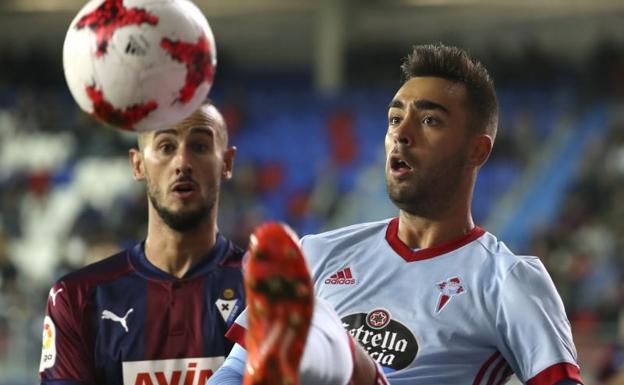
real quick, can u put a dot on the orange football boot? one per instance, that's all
(280, 301)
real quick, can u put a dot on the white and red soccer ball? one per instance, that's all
(139, 65)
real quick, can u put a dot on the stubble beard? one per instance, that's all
(429, 196)
(179, 221)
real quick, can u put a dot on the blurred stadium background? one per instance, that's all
(305, 86)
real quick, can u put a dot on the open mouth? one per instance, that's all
(398, 165)
(183, 189)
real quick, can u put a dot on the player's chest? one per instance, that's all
(403, 312)
(432, 289)
(122, 311)
(163, 329)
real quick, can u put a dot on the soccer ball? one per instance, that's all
(139, 65)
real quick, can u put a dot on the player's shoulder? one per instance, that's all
(501, 259)
(105, 270)
(233, 257)
(348, 235)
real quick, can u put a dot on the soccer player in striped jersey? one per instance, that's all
(432, 297)
(157, 312)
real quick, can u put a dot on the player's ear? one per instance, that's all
(480, 149)
(136, 162)
(228, 163)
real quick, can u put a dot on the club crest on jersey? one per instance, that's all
(448, 289)
(48, 348)
(228, 306)
(387, 341)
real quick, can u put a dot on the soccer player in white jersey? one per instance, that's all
(433, 298)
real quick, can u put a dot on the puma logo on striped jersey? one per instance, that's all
(107, 314)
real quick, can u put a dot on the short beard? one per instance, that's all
(180, 222)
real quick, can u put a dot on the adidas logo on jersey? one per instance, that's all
(343, 277)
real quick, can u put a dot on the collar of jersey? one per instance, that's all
(143, 266)
(392, 236)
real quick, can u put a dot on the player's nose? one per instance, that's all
(403, 134)
(182, 161)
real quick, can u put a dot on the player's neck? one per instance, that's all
(422, 233)
(175, 252)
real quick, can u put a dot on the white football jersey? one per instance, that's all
(468, 312)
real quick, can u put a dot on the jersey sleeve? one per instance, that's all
(232, 370)
(64, 355)
(236, 332)
(532, 327)
(312, 252)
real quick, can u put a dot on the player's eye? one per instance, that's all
(200, 147)
(430, 120)
(166, 148)
(394, 120)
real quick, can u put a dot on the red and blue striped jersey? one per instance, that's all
(124, 321)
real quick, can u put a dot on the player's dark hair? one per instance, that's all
(454, 64)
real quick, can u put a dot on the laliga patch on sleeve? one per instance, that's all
(48, 349)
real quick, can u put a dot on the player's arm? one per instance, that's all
(64, 357)
(533, 330)
(331, 357)
(231, 372)
(365, 371)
